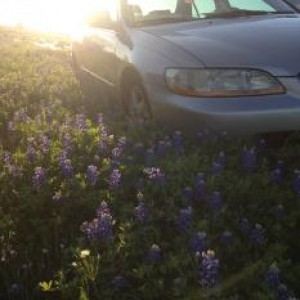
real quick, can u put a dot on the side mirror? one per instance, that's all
(100, 19)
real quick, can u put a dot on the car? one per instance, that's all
(221, 65)
(295, 4)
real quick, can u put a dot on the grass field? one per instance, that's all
(93, 208)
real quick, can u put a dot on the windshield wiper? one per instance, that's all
(161, 20)
(243, 13)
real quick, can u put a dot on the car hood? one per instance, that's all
(265, 42)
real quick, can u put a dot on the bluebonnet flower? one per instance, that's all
(177, 142)
(281, 166)
(200, 187)
(216, 168)
(162, 148)
(39, 177)
(245, 226)
(15, 290)
(215, 201)
(103, 144)
(101, 228)
(66, 167)
(115, 179)
(141, 212)
(154, 254)
(185, 219)
(226, 238)
(92, 175)
(155, 174)
(80, 122)
(122, 143)
(119, 282)
(198, 242)
(222, 158)
(12, 169)
(209, 270)
(248, 160)
(262, 145)
(257, 234)
(296, 183)
(273, 281)
(67, 143)
(276, 176)
(31, 153)
(273, 276)
(149, 158)
(283, 292)
(99, 119)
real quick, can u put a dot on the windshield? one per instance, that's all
(294, 3)
(144, 12)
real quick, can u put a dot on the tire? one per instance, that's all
(135, 101)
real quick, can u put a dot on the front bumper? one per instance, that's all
(241, 115)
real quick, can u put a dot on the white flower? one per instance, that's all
(85, 253)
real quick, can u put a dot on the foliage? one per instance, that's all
(93, 208)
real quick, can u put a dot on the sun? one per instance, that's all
(60, 16)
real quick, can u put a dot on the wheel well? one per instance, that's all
(127, 76)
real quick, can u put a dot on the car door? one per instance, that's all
(100, 44)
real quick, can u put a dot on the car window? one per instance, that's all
(203, 7)
(153, 12)
(251, 5)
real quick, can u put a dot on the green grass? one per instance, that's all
(43, 117)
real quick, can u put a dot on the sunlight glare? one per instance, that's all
(60, 16)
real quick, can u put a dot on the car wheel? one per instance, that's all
(136, 102)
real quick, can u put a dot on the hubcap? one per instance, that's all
(138, 108)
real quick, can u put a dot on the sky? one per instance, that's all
(46, 15)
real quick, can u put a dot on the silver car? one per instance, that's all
(295, 4)
(229, 65)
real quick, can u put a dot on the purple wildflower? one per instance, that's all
(198, 242)
(276, 176)
(245, 226)
(67, 143)
(80, 122)
(154, 254)
(283, 292)
(209, 270)
(296, 183)
(177, 142)
(139, 149)
(92, 175)
(273, 276)
(12, 169)
(103, 144)
(185, 219)
(155, 174)
(257, 234)
(141, 212)
(216, 168)
(39, 177)
(31, 153)
(215, 201)
(222, 158)
(115, 179)
(226, 238)
(119, 282)
(248, 160)
(161, 148)
(200, 187)
(15, 290)
(66, 168)
(100, 228)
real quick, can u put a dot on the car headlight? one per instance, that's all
(222, 82)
